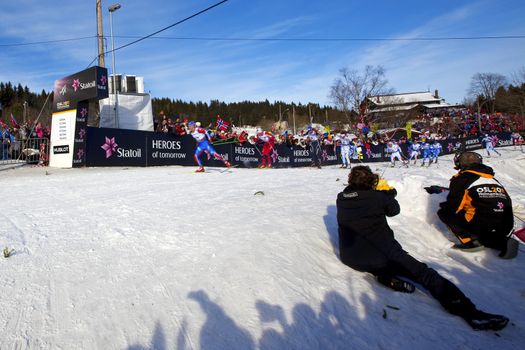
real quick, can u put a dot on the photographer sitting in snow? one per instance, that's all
(478, 210)
(367, 244)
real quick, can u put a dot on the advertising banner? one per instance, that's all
(246, 155)
(329, 156)
(62, 139)
(89, 84)
(472, 143)
(119, 147)
(301, 156)
(282, 156)
(79, 142)
(166, 149)
(374, 154)
(116, 147)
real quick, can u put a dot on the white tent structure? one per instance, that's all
(134, 112)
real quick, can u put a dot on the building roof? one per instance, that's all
(394, 108)
(400, 99)
(436, 105)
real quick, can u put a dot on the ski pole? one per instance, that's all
(218, 143)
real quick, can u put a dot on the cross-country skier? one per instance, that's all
(436, 150)
(268, 141)
(346, 149)
(427, 153)
(395, 153)
(367, 244)
(315, 148)
(203, 139)
(489, 145)
(478, 209)
(413, 151)
(517, 140)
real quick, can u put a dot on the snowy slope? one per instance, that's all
(162, 258)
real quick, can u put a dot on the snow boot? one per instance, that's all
(511, 249)
(482, 321)
(471, 246)
(396, 284)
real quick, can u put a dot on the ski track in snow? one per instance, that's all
(162, 258)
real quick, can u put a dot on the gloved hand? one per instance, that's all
(383, 186)
(435, 189)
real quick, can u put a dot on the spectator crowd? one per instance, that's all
(447, 124)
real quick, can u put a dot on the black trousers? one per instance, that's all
(402, 264)
(315, 150)
(465, 232)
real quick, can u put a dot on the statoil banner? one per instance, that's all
(118, 147)
(89, 84)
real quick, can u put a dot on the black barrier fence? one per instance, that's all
(117, 147)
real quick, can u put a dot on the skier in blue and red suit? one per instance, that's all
(203, 139)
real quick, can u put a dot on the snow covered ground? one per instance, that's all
(162, 258)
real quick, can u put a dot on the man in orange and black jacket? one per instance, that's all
(478, 209)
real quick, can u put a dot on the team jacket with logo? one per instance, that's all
(478, 198)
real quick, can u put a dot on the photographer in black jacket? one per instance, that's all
(367, 244)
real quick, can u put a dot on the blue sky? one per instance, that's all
(299, 71)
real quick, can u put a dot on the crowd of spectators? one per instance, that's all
(454, 123)
(465, 123)
(11, 138)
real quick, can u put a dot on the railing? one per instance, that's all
(31, 151)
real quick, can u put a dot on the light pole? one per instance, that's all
(25, 111)
(293, 117)
(111, 9)
(287, 112)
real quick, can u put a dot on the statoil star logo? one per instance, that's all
(83, 112)
(76, 84)
(274, 156)
(501, 205)
(324, 156)
(110, 146)
(81, 133)
(450, 147)
(103, 80)
(80, 153)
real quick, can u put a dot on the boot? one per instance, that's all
(199, 170)
(511, 249)
(396, 284)
(471, 246)
(482, 321)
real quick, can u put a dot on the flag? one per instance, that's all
(327, 131)
(409, 130)
(221, 124)
(2, 125)
(13, 122)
